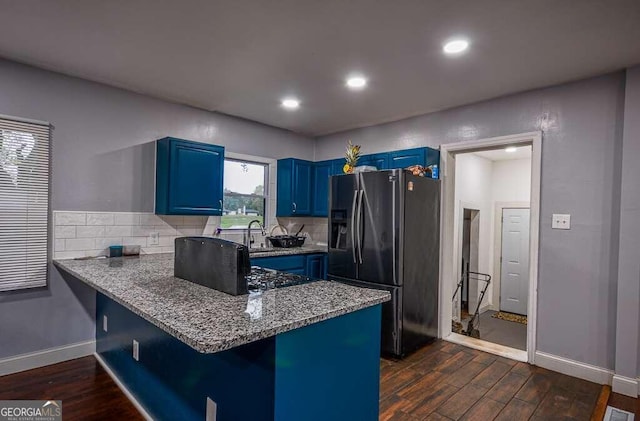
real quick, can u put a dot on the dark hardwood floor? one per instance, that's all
(625, 403)
(85, 389)
(442, 381)
(445, 381)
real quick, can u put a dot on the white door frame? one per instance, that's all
(449, 242)
(497, 247)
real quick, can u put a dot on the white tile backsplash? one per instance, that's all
(90, 231)
(100, 218)
(104, 243)
(150, 219)
(123, 218)
(80, 234)
(70, 218)
(119, 230)
(79, 244)
(64, 231)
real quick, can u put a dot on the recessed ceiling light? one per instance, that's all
(511, 149)
(290, 103)
(455, 46)
(356, 82)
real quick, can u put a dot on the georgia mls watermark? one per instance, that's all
(30, 410)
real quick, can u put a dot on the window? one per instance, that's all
(245, 193)
(24, 204)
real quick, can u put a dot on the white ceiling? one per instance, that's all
(521, 152)
(241, 57)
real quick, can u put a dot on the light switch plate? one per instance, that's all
(561, 221)
(105, 323)
(136, 350)
(154, 238)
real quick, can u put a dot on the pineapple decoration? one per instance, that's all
(351, 157)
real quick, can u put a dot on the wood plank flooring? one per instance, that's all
(86, 390)
(625, 403)
(441, 382)
(445, 381)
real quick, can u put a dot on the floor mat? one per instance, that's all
(510, 317)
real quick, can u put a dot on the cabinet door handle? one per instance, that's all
(295, 207)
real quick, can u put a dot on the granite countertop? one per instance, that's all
(208, 320)
(276, 251)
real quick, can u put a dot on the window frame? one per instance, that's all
(48, 237)
(268, 173)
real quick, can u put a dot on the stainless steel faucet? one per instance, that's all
(250, 239)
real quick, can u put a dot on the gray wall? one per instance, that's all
(582, 139)
(102, 160)
(628, 335)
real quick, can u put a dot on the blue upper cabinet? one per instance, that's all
(303, 186)
(337, 166)
(378, 160)
(321, 172)
(417, 156)
(433, 157)
(189, 177)
(295, 182)
(407, 158)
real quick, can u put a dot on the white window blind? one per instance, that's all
(24, 204)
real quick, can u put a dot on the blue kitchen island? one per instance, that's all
(304, 352)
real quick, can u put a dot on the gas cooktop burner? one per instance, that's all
(261, 279)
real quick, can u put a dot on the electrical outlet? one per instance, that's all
(136, 350)
(105, 323)
(154, 238)
(212, 409)
(561, 221)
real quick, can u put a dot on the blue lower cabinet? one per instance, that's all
(335, 378)
(172, 381)
(292, 264)
(312, 265)
(325, 269)
(326, 371)
(316, 266)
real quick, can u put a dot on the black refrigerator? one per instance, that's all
(384, 233)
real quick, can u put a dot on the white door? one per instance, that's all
(514, 279)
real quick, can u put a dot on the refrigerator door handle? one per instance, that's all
(358, 226)
(353, 216)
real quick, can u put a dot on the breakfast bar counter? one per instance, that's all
(308, 351)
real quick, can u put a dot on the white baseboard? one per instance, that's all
(46, 357)
(573, 368)
(123, 388)
(625, 385)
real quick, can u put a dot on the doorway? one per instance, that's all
(510, 287)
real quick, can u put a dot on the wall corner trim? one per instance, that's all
(625, 386)
(123, 388)
(45, 357)
(573, 368)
